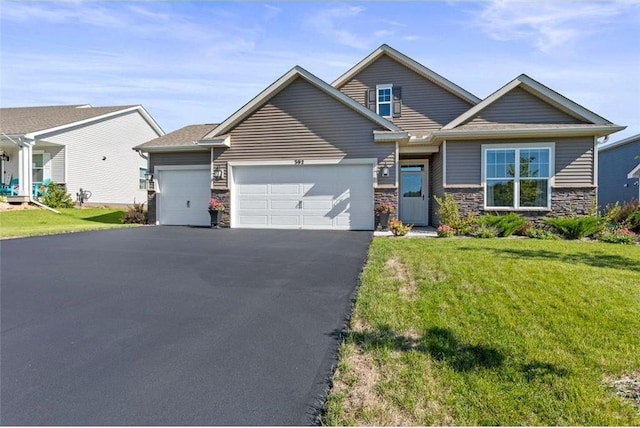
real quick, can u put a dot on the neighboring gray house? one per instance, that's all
(78, 146)
(619, 171)
(307, 154)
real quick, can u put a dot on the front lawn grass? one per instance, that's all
(490, 332)
(16, 223)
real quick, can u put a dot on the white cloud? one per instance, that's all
(332, 22)
(546, 25)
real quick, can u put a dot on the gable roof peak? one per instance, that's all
(537, 89)
(409, 63)
(284, 81)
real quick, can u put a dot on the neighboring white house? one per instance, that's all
(79, 146)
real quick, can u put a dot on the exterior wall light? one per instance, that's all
(217, 174)
(385, 171)
(148, 176)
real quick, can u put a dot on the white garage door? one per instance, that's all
(336, 196)
(184, 196)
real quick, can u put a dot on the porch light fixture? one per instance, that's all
(4, 156)
(217, 174)
(148, 176)
(385, 171)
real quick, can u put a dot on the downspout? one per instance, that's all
(29, 191)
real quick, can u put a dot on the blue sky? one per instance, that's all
(198, 62)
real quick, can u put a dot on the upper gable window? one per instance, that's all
(383, 97)
(385, 100)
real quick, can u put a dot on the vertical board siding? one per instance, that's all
(519, 106)
(114, 180)
(303, 122)
(425, 105)
(573, 160)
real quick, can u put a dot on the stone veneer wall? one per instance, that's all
(564, 202)
(382, 195)
(224, 196)
(151, 208)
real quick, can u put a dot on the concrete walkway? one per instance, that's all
(416, 232)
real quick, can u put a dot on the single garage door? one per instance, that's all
(335, 196)
(184, 196)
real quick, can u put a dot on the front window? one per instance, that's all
(517, 177)
(384, 99)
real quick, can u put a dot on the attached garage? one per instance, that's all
(183, 195)
(303, 196)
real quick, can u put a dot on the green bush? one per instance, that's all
(57, 197)
(135, 214)
(449, 215)
(575, 227)
(540, 234)
(623, 216)
(505, 225)
(617, 236)
(485, 232)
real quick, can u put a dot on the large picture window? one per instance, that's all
(517, 177)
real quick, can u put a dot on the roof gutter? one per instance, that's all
(598, 131)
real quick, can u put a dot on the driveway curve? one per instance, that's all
(172, 325)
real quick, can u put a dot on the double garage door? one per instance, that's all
(317, 196)
(320, 196)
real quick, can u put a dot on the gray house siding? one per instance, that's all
(435, 178)
(425, 105)
(519, 106)
(179, 158)
(613, 166)
(573, 161)
(302, 122)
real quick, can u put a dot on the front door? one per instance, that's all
(414, 198)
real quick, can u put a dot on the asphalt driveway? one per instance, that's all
(172, 325)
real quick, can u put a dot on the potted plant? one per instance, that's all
(215, 211)
(383, 211)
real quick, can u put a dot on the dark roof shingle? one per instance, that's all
(181, 137)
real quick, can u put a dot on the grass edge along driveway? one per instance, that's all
(35, 222)
(490, 332)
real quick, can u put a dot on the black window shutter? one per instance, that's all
(370, 99)
(397, 101)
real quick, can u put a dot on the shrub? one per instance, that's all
(575, 227)
(505, 225)
(3, 199)
(623, 216)
(448, 210)
(534, 233)
(398, 228)
(449, 214)
(617, 236)
(135, 214)
(445, 231)
(57, 197)
(485, 232)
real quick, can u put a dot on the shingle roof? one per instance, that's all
(25, 120)
(182, 137)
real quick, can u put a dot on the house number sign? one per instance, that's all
(298, 162)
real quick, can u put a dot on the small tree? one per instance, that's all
(57, 197)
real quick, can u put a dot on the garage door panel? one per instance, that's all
(326, 191)
(184, 197)
(254, 189)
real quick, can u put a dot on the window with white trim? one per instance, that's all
(517, 177)
(384, 99)
(143, 183)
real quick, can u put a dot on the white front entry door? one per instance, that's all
(184, 196)
(414, 195)
(316, 196)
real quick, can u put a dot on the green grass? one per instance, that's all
(490, 332)
(42, 222)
